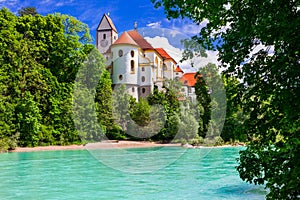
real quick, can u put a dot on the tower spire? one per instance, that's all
(135, 25)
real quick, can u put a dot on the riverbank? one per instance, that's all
(112, 145)
(98, 145)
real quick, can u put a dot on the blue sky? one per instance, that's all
(123, 13)
(151, 22)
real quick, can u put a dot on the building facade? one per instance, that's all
(133, 62)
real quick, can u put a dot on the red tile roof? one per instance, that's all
(125, 39)
(178, 69)
(164, 54)
(189, 79)
(140, 40)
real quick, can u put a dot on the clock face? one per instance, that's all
(103, 43)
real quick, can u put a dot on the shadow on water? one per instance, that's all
(252, 191)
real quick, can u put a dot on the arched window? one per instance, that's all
(120, 53)
(143, 90)
(132, 65)
(143, 78)
(120, 77)
(132, 54)
(104, 36)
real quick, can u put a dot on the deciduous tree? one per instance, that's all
(259, 44)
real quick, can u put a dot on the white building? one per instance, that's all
(132, 61)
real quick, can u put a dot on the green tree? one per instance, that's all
(39, 58)
(188, 125)
(121, 111)
(259, 45)
(27, 11)
(103, 101)
(29, 118)
(9, 40)
(234, 129)
(171, 106)
(87, 91)
(204, 104)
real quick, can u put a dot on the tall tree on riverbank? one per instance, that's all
(40, 57)
(259, 45)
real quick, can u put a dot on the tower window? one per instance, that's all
(143, 69)
(132, 65)
(104, 36)
(143, 90)
(132, 53)
(120, 77)
(120, 53)
(132, 89)
(143, 78)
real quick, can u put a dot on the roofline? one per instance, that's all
(125, 44)
(107, 17)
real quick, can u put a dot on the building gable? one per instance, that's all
(106, 24)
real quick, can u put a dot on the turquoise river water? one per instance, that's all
(207, 173)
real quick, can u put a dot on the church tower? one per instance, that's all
(106, 34)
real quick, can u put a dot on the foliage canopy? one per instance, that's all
(260, 46)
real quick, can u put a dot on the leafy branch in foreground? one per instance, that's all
(260, 45)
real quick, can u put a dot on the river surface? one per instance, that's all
(207, 173)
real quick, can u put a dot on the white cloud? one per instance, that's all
(154, 24)
(176, 54)
(9, 3)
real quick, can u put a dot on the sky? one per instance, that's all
(123, 13)
(152, 23)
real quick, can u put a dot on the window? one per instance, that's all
(185, 82)
(132, 53)
(115, 37)
(143, 69)
(132, 89)
(143, 78)
(165, 67)
(120, 53)
(143, 90)
(177, 73)
(104, 36)
(120, 77)
(132, 65)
